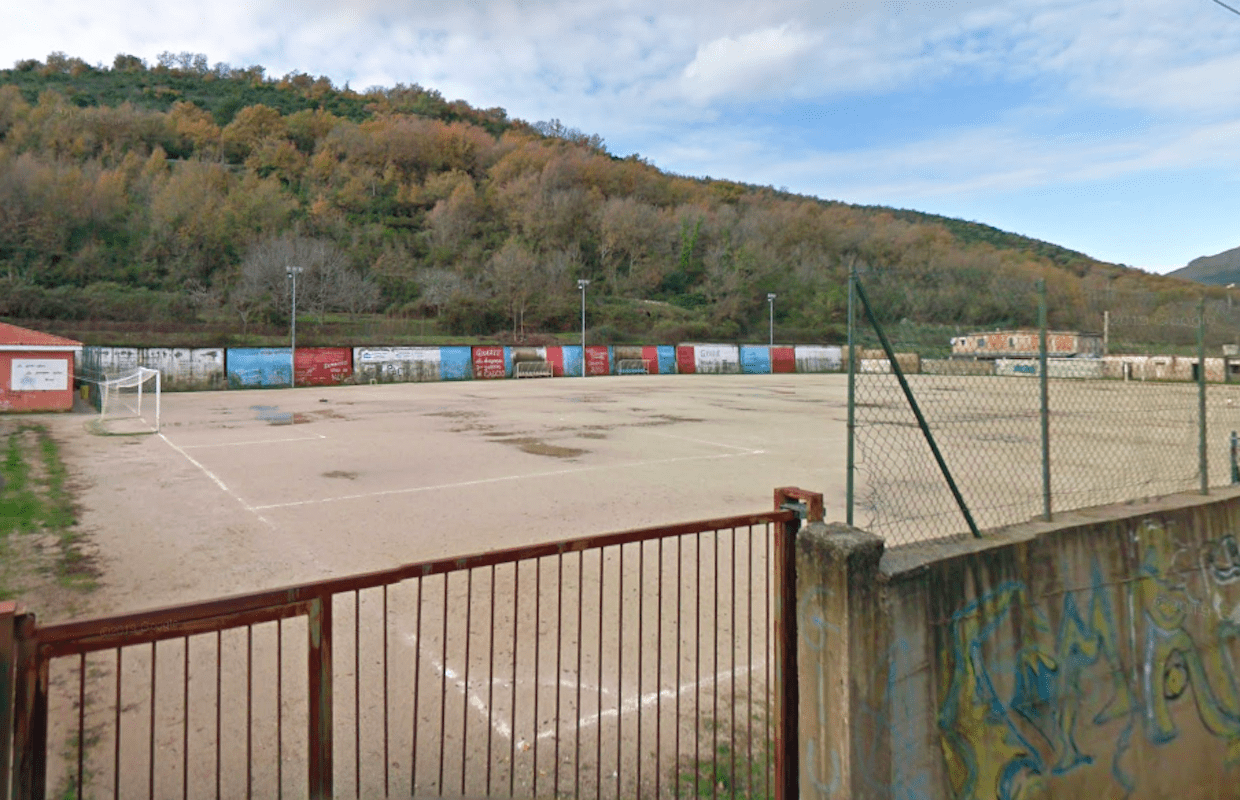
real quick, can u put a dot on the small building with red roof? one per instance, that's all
(36, 370)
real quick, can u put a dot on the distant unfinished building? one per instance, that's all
(1026, 344)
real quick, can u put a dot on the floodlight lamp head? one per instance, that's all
(770, 296)
(582, 283)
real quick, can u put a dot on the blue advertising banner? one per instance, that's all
(755, 359)
(456, 363)
(258, 367)
(667, 359)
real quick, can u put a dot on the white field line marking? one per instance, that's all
(218, 482)
(631, 705)
(311, 438)
(475, 701)
(704, 441)
(505, 478)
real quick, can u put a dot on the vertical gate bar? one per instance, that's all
(491, 682)
(770, 655)
(249, 711)
(151, 744)
(537, 639)
(443, 686)
(30, 775)
(785, 666)
(598, 706)
(512, 723)
(279, 709)
(319, 767)
(387, 760)
(8, 658)
(81, 744)
(749, 661)
(185, 722)
(559, 666)
(714, 713)
(357, 693)
(581, 570)
(116, 745)
(732, 704)
(680, 560)
(620, 675)
(697, 659)
(641, 618)
(469, 608)
(219, 701)
(417, 663)
(658, 684)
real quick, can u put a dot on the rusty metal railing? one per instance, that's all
(647, 663)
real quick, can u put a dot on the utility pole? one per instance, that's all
(292, 273)
(582, 283)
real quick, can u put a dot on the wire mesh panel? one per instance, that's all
(1013, 415)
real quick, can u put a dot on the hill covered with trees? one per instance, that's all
(163, 194)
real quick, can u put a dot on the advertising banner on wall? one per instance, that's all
(39, 375)
(755, 359)
(783, 360)
(323, 366)
(455, 363)
(819, 358)
(395, 364)
(180, 368)
(686, 359)
(258, 367)
(598, 359)
(491, 362)
(717, 359)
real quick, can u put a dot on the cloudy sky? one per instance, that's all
(1108, 126)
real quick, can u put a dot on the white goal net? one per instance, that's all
(130, 404)
(533, 369)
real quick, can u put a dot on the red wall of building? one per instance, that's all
(16, 399)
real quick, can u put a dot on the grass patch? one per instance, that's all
(36, 504)
(738, 767)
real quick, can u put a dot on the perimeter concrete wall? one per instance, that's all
(1095, 657)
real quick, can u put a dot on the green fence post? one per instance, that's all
(1044, 381)
(1203, 465)
(852, 398)
(916, 409)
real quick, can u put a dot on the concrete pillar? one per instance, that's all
(843, 638)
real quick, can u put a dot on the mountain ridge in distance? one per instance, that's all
(1216, 270)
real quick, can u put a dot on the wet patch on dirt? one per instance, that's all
(592, 435)
(340, 473)
(666, 419)
(538, 447)
(310, 416)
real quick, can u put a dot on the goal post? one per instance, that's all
(130, 403)
(533, 369)
(633, 366)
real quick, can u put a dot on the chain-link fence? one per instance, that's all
(959, 428)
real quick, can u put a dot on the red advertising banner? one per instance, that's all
(489, 363)
(555, 357)
(650, 357)
(323, 366)
(598, 360)
(686, 362)
(784, 359)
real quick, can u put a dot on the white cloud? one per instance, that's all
(747, 64)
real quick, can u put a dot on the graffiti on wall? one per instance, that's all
(1035, 689)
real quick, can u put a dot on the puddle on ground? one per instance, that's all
(340, 473)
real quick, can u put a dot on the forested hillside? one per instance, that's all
(180, 191)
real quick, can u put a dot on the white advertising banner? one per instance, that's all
(40, 375)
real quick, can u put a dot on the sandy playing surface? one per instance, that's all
(230, 498)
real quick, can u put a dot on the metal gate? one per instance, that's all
(648, 663)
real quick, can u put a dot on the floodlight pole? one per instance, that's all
(292, 273)
(582, 283)
(770, 300)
